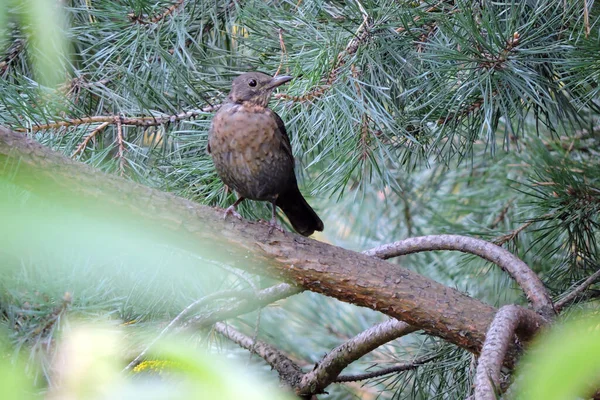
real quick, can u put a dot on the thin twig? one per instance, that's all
(577, 291)
(501, 216)
(339, 358)
(499, 336)
(283, 53)
(289, 371)
(140, 20)
(136, 121)
(586, 18)
(529, 282)
(499, 241)
(120, 147)
(213, 296)
(89, 137)
(361, 35)
(385, 371)
(12, 53)
(263, 297)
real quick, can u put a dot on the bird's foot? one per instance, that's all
(231, 211)
(274, 225)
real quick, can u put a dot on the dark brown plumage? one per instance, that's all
(252, 153)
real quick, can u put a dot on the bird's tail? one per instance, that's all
(302, 217)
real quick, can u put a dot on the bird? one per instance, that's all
(252, 154)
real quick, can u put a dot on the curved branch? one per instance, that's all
(527, 279)
(498, 338)
(333, 363)
(289, 371)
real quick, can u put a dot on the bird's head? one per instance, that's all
(255, 88)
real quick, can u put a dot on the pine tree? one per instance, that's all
(407, 119)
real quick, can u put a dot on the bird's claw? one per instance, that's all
(274, 225)
(231, 211)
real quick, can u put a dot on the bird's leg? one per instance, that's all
(273, 222)
(232, 209)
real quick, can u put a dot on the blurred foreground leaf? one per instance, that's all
(564, 363)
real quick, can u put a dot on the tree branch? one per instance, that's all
(577, 291)
(528, 281)
(343, 274)
(384, 371)
(261, 299)
(289, 371)
(498, 338)
(89, 137)
(113, 119)
(339, 358)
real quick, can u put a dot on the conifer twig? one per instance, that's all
(120, 147)
(529, 282)
(89, 137)
(283, 52)
(385, 371)
(140, 20)
(14, 50)
(333, 363)
(577, 291)
(288, 370)
(111, 119)
(360, 36)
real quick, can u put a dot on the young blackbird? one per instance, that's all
(252, 153)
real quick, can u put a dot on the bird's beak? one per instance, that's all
(278, 81)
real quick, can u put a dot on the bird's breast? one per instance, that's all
(247, 151)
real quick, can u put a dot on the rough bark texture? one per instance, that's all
(343, 274)
(339, 358)
(499, 337)
(527, 279)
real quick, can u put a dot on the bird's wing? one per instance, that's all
(285, 139)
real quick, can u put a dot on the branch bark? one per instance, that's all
(343, 274)
(528, 281)
(339, 358)
(288, 370)
(498, 339)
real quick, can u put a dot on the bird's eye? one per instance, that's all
(252, 82)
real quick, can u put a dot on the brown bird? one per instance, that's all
(253, 155)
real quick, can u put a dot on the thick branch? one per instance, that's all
(289, 372)
(498, 338)
(343, 274)
(527, 279)
(330, 367)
